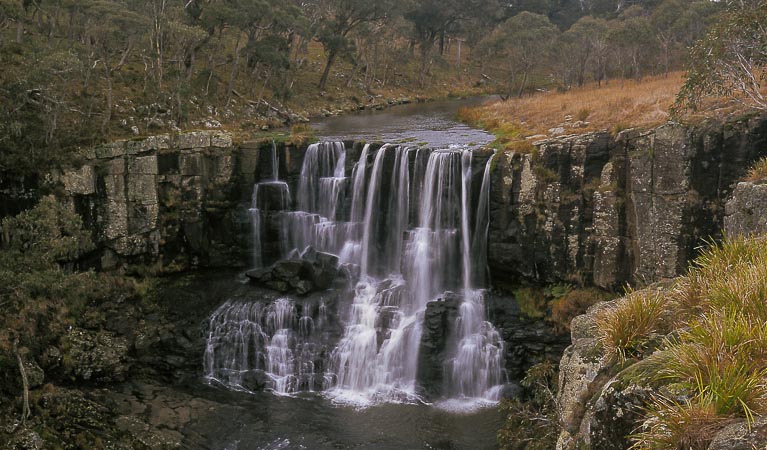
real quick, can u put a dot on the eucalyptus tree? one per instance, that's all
(731, 60)
(339, 19)
(526, 42)
(584, 45)
(632, 41)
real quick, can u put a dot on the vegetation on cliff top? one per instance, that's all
(704, 340)
(75, 73)
(727, 69)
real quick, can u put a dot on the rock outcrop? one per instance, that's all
(746, 211)
(605, 210)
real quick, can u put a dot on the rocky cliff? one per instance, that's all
(601, 402)
(177, 201)
(604, 209)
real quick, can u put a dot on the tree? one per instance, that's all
(115, 29)
(666, 20)
(526, 42)
(731, 60)
(583, 44)
(340, 18)
(632, 41)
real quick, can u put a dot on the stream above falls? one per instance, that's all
(431, 124)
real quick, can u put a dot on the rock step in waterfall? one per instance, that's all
(403, 224)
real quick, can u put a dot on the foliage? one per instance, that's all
(532, 424)
(574, 303)
(731, 60)
(40, 294)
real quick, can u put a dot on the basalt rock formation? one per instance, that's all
(606, 210)
(598, 406)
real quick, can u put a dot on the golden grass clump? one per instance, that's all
(718, 355)
(627, 327)
(678, 425)
(758, 172)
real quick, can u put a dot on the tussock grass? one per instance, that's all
(757, 172)
(631, 323)
(715, 358)
(678, 425)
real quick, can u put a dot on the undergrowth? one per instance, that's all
(712, 357)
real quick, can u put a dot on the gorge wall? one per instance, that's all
(605, 210)
(595, 208)
(175, 201)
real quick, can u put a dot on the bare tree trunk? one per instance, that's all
(26, 412)
(263, 86)
(233, 74)
(331, 58)
(19, 30)
(523, 85)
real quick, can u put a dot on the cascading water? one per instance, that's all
(409, 226)
(268, 196)
(281, 340)
(476, 368)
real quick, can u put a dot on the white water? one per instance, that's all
(406, 221)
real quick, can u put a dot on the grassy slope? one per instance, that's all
(613, 107)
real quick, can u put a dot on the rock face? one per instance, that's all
(177, 201)
(746, 211)
(608, 210)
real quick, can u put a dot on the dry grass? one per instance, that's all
(758, 171)
(628, 328)
(611, 107)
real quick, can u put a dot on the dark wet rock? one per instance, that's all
(527, 342)
(512, 391)
(435, 340)
(312, 271)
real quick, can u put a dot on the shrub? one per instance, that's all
(532, 424)
(574, 303)
(583, 114)
(532, 302)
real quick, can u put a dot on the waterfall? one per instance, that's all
(279, 340)
(477, 364)
(321, 196)
(268, 196)
(408, 220)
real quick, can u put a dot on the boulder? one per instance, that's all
(741, 436)
(94, 355)
(308, 272)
